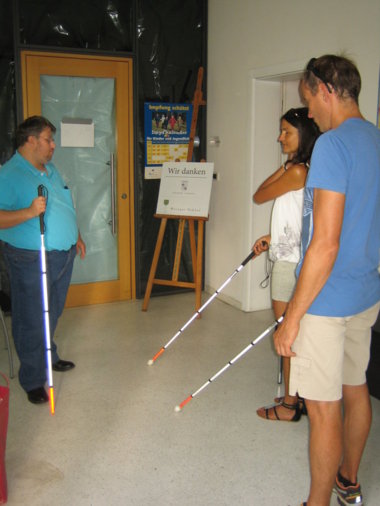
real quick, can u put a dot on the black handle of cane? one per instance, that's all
(40, 192)
(251, 255)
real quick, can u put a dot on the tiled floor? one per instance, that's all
(115, 438)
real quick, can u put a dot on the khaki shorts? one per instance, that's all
(331, 352)
(283, 280)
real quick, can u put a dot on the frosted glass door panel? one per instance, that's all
(87, 170)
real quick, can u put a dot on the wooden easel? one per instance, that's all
(196, 247)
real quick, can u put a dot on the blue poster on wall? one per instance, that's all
(167, 134)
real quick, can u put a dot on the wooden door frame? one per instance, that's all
(125, 132)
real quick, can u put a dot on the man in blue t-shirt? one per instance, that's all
(327, 327)
(20, 235)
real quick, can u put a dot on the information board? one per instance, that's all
(185, 189)
(167, 134)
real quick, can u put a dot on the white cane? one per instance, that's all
(197, 313)
(45, 302)
(231, 362)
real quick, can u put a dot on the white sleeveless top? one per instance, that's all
(286, 224)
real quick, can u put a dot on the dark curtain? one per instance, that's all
(167, 40)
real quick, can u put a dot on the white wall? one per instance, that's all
(246, 37)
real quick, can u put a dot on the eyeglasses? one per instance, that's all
(311, 68)
(50, 140)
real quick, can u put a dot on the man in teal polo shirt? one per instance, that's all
(20, 208)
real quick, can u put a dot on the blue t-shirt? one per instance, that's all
(19, 181)
(347, 160)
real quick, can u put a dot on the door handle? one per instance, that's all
(113, 189)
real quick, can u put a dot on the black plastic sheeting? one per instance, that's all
(167, 39)
(7, 83)
(89, 24)
(170, 47)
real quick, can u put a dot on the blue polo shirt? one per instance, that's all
(19, 181)
(347, 160)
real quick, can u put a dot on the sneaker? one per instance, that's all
(347, 496)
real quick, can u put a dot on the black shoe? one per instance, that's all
(38, 395)
(63, 365)
(5, 303)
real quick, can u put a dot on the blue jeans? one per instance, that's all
(24, 268)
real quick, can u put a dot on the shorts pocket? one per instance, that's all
(303, 362)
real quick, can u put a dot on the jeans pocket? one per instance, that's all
(18, 256)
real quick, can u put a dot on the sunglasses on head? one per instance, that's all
(311, 68)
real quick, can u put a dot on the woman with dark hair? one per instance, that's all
(298, 134)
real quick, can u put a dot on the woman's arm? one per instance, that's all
(282, 181)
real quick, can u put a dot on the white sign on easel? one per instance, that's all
(185, 189)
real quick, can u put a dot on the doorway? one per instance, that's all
(274, 90)
(93, 95)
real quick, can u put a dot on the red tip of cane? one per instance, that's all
(158, 354)
(151, 361)
(183, 403)
(52, 406)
